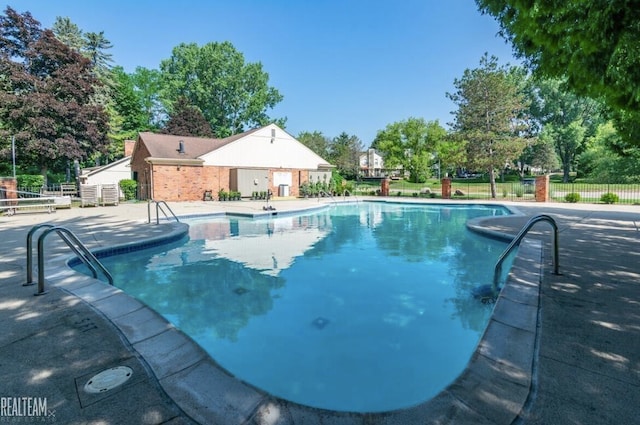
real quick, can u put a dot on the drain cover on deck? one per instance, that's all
(108, 379)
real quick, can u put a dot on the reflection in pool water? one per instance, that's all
(362, 308)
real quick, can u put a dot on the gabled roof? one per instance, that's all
(168, 146)
(265, 147)
(86, 172)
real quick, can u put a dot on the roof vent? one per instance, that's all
(181, 147)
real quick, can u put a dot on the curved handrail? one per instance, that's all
(30, 250)
(159, 208)
(518, 238)
(79, 248)
(324, 194)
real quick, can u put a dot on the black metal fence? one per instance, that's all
(520, 191)
(593, 193)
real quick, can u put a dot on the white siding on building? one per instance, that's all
(109, 174)
(261, 150)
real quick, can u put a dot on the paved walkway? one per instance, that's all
(588, 368)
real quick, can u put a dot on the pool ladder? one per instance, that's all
(516, 242)
(159, 205)
(72, 242)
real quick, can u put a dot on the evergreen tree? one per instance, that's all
(344, 153)
(490, 116)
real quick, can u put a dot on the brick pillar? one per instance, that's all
(384, 187)
(8, 188)
(446, 188)
(542, 189)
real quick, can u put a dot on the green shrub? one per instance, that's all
(519, 191)
(30, 180)
(129, 188)
(572, 197)
(505, 193)
(609, 198)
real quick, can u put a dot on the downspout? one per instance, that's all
(151, 181)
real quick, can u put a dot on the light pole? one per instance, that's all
(13, 154)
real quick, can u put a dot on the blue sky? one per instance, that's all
(349, 66)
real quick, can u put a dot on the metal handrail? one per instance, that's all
(159, 208)
(64, 238)
(30, 251)
(76, 246)
(518, 238)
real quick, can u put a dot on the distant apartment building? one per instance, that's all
(371, 164)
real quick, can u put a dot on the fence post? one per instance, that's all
(542, 188)
(446, 188)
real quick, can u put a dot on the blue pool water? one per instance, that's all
(360, 308)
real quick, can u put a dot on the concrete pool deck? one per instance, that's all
(587, 360)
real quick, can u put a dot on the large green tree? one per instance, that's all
(451, 154)
(147, 84)
(491, 115)
(594, 43)
(412, 145)
(566, 119)
(46, 96)
(232, 94)
(539, 153)
(601, 161)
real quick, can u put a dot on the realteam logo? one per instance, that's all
(30, 409)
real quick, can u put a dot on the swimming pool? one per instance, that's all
(360, 308)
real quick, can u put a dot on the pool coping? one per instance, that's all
(492, 389)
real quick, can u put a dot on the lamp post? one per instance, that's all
(13, 154)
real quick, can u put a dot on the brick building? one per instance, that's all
(178, 168)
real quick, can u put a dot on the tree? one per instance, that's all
(451, 153)
(95, 48)
(410, 144)
(68, 33)
(344, 153)
(315, 141)
(232, 95)
(540, 153)
(127, 102)
(187, 120)
(593, 43)
(46, 94)
(601, 161)
(490, 115)
(146, 84)
(567, 119)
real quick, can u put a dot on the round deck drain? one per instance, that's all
(108, 379)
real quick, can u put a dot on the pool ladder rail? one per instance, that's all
(72, 241)
(516, 242)
(159, 207)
